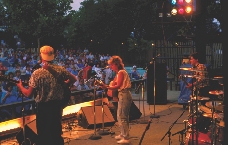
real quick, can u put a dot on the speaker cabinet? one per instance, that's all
(133, 114)
(85, 117)
(30, 133)
(160, 84)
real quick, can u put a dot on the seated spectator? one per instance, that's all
(87, 70)
(80, 64)
(9, 96)
(67, 66)
(61, 63)
(28, 70)
(74, 71)
(135, 74)
(3, 68)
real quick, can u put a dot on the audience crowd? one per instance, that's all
(84, 64)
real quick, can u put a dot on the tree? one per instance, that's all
(41, 19)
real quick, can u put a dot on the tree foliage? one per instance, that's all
(43, 18)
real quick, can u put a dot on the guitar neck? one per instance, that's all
(6, 79)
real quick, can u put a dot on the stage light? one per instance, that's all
(183, 7)
(181, 11)
(174, 11)
(180, 2)
(188, 9)
(173, 2)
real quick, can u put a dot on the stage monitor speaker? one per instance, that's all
(134, 111)
(85, 117)
(160, 84)
(30, 134)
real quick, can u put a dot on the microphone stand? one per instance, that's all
(26, 141)
(94, 136)
(169, 131)
(154, 116)
(147, 128)
(142, 121)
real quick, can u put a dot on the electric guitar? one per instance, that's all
(110, 93)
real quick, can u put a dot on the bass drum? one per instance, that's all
(202, 139)
(202, 123)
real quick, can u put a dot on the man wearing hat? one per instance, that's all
(48, 98)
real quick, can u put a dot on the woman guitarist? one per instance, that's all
(122, 84)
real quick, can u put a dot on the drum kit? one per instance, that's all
(206, 113)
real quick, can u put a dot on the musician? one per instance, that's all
(122, 84)
(199, 71)
(48, 99)
(195, 82)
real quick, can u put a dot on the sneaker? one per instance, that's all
(118, 137)
(123, 141)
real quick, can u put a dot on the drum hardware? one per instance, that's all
(183, 132)
(215, 117)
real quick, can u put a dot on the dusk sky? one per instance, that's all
(76, 4)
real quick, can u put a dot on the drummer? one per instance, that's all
(199, 71)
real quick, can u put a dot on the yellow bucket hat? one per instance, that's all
(47, 53)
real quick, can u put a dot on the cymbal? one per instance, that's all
(219, 108)
(191, 69)
(210, 115)
(202, 98)
(205, 109)
(216, 92)
(218, 77)
(186, 68)
(216, 103)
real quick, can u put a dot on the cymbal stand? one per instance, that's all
(103, 131)
(194, 113)
(94, 136)
(214, 120)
